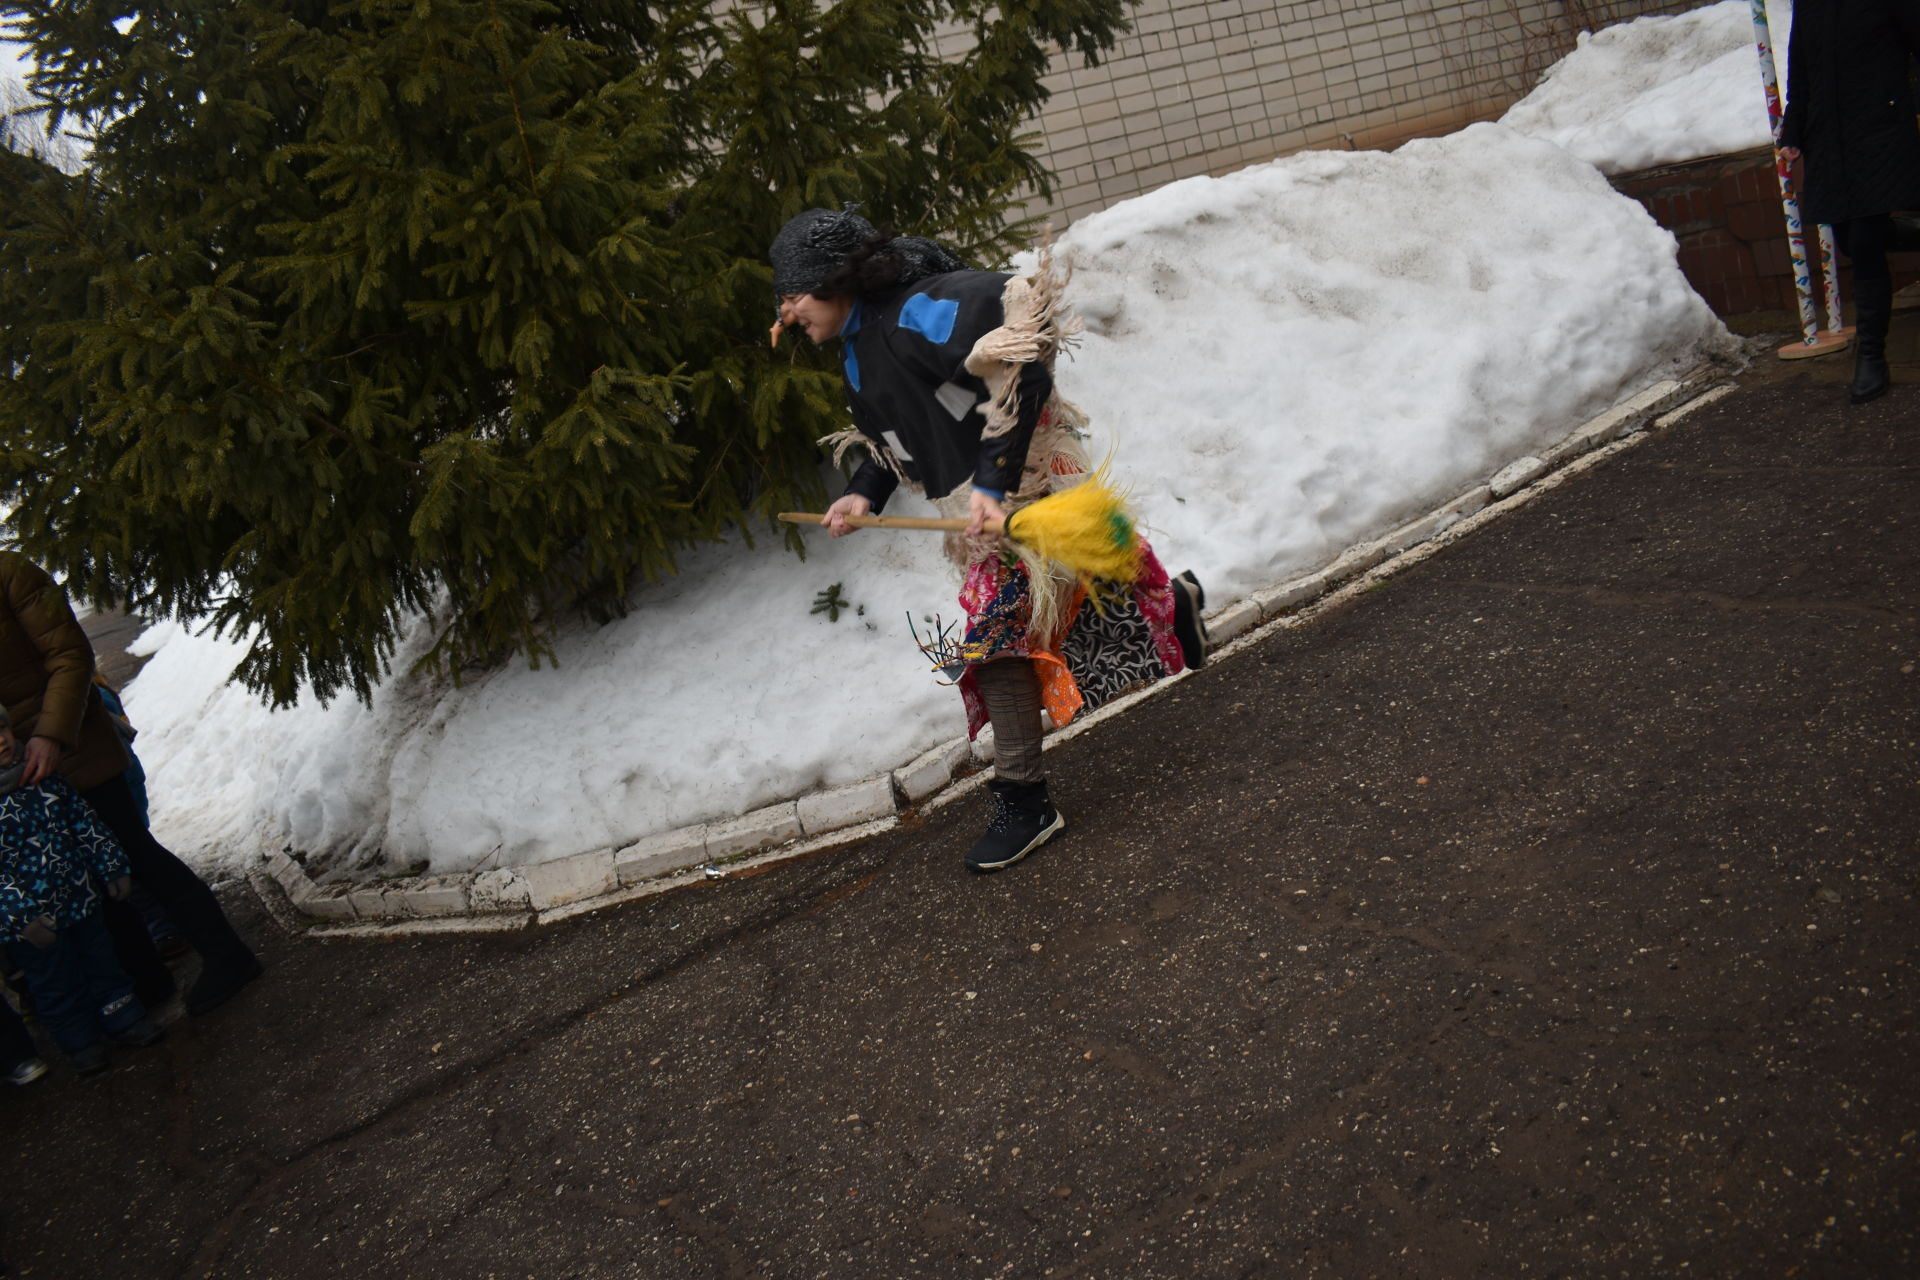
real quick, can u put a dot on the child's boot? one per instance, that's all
(1023, 819)
(26, 1071)
(140, 1034)
(1189, 627)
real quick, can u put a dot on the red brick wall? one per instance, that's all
(1725, 212)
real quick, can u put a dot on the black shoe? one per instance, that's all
(90, 1061)
(1023, 820)
(217, 985)
(25, 1071)
(1870, 376)
(1189, 628)
(1872, 314)
(139, 1035)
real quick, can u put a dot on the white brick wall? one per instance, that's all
(1206, 86)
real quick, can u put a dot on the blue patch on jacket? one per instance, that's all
(931, 318)
(849, 358)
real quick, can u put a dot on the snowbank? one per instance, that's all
(1659, 91)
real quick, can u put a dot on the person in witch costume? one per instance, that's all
(1850, 114)
(949, 377)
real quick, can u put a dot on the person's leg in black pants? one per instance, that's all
(134, 948)
(1865, 241)
(226, 962)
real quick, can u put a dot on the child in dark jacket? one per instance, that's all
(56, 858)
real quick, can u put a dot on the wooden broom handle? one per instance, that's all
(887, 522)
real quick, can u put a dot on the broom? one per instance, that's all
(1086, 529)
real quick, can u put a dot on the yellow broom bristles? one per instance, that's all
(1086, 528)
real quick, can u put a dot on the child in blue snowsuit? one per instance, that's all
(56, 861)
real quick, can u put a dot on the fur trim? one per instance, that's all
(1037, 326)
(846, 438)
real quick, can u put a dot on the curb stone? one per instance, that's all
(846, 806)
(1234, 621)
(749, 832)
(330, 902)
(499, 890)
(565, 880)
(541, 893)
(436, 896)
(1515, 476)
(928, 773)
(659, 854)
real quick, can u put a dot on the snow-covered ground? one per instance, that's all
(1282, 361)
(1660, 90)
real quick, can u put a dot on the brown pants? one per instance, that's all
(1011, 691)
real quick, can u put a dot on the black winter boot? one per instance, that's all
(90, 1061)
(226, 963)
(1872, 312)
(1189, 628)
(1023, 820)
(220, 981)
(140, 1034)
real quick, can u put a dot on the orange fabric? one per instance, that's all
(1059, 692)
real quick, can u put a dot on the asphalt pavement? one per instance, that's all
(1546, 910)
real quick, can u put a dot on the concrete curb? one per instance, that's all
(522, 897)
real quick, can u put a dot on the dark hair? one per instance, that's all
(884, 264)
(870, 273)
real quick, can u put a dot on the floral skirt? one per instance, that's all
(1109, 645)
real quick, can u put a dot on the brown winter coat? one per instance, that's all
(46, 675)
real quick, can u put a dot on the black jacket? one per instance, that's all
(1850, 106)
(909, 389)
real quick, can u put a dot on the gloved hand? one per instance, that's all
(40, 933)
(119, 888)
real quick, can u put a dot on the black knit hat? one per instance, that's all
(813, 245)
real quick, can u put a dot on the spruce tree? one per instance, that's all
(370, 307)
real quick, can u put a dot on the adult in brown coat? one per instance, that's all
(46, 681)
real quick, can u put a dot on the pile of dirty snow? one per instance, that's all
(1658, 91)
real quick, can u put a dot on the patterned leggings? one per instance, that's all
(1012, 693)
